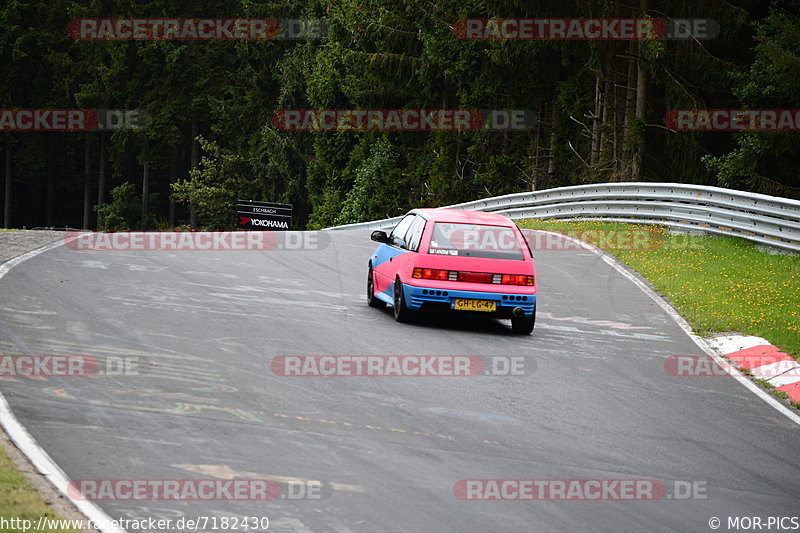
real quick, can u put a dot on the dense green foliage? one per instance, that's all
(211, 101)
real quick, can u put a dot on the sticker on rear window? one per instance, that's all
(442, 251)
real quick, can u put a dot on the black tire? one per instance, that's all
(401, 312)
(372, 301)
(524, 325)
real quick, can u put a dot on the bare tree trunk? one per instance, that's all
(552, 167)
(173, 177)
(630, 109)
(598, 99)
(535, 141)
(145, 193)
(606, 131)
(7, 201)
(195, 155)
(457, 160)
(87, 180)
(48, 193)
(101, 179)
(641, 101)
(619, 105)
(48, 198)
(619, 113)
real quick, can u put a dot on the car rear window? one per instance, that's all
(475, 240)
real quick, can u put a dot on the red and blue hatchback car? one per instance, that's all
(454, 260)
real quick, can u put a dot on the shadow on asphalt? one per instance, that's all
(456, 322)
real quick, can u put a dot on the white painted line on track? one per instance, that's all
(28, 445)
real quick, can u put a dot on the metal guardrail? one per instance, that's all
(768, 220)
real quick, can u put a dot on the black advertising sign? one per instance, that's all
(263, 215)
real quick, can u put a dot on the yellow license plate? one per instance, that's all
(475, 305)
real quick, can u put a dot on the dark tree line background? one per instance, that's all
(600, 106)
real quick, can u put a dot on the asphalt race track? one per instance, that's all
(594, 402)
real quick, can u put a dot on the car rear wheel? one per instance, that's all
(401, 312)
(524, 325)
(372, 301)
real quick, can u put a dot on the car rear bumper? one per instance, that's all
(423, 298)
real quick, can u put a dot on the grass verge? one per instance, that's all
(18, 499)
(719, 284)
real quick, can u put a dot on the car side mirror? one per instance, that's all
(379, 236)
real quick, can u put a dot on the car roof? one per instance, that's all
(442, 214)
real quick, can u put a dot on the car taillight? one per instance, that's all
(475, 277)
(430, 273)
(472, 277)
(517, 279)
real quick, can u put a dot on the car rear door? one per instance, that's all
(384, 262)
(411, 243)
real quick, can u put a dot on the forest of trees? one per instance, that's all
(209, 141)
